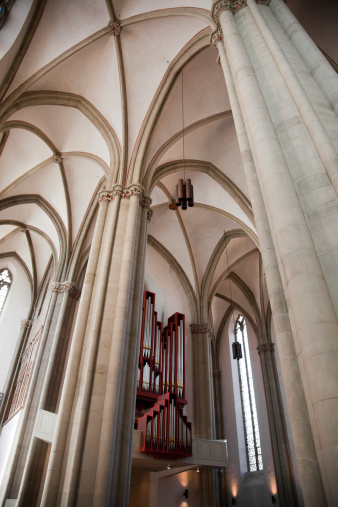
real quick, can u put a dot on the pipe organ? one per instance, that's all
(160, 400)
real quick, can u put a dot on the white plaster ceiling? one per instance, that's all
(63, 25)
(84, 95)
(128, 8)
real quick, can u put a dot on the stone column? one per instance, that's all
(53, 474)
(319, 67)
(219, 475)
(307, 461)
(91, 454)
(207, 496)
(304, 282)
(30, 483)
(203, 402)
(315, 128)
(203, 423)
(217, 374)
(287, 494)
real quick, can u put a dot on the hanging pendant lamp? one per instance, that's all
(185, 194)
(184, 189)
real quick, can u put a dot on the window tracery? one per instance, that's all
(5, 283)
(251, 429)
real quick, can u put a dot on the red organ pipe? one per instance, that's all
(161, 384)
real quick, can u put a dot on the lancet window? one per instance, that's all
(5, 283)
(251, 429)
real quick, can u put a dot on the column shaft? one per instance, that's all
(299, 417)
(217, 374)
(310, 302)
(93, 442)
(282, 459)
(108, 440)
(93, 333)
(318, 134)
(126, 415)
(203, 426)
(58, 446)
(319, 67)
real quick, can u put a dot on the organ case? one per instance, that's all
(166, 433)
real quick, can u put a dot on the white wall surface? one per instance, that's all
(252, 489)
(14, 311)
(6, 440)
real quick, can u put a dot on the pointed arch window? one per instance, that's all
(5, 284)
(251, 429)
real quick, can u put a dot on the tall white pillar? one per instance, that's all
(307, 461)
(304, 282)
(320, 68)
(91, 452)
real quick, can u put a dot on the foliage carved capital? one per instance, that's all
(202, 328)
(216, 37)
(220, 6)
(265, 347)
(26, 324)
(134, 190)
(66, 288)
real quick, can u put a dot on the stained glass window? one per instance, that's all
(252, 437)
(5, 283)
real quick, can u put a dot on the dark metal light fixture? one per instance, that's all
(234, 501)
(185, 194)
(237, 350)
(186, 493)
(184, 189)
(273, 498)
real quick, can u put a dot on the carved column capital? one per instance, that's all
(26, 324)
(202, 328)
(149, 214)
(265, 347)
(226, 5)
(134, 190)
(215, 37)
(115, 27)
(109, 195)
(66, 288)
